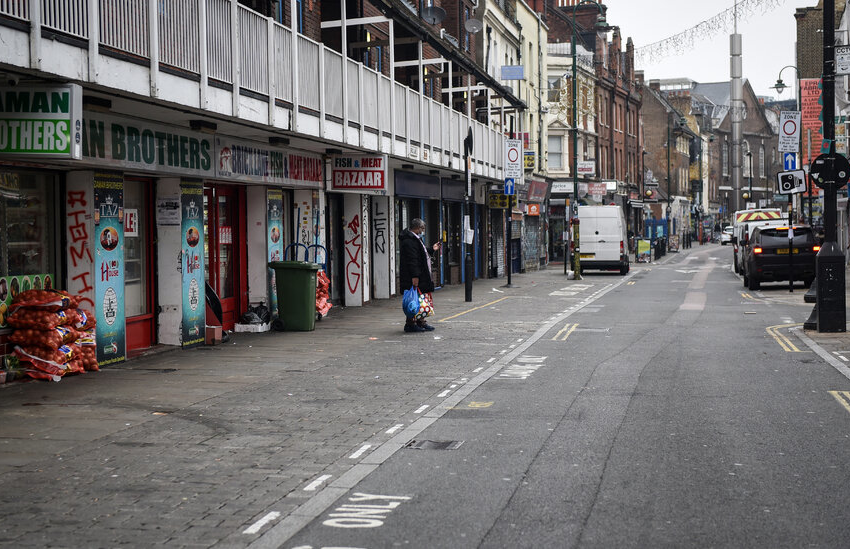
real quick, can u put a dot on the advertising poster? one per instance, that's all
(109, 266)
(274, 226)
(192, 233)
(812, 134)
(10, 286)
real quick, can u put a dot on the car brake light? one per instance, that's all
(815, 248)
(757, 250)
(621, 247)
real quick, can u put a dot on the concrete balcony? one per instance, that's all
(221, 58)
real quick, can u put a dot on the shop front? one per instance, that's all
(359, 227)
(418, 195)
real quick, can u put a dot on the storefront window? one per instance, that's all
(135, 249)
(27, 227)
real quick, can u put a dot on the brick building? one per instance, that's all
(618, 101)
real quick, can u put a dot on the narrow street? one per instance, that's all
(669, 407)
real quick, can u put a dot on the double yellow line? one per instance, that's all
(783, 341)
(565, 332)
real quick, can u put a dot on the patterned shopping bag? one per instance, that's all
(426, 306)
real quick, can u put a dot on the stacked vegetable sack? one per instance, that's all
(53, 337)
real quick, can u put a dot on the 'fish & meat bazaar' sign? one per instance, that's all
(360, 174)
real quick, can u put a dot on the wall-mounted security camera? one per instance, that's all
(12, 80)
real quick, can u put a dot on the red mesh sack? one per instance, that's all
(41, 319)
(48, 300)
(85, 320)
(51, 339)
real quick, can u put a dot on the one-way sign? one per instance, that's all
(792, 182)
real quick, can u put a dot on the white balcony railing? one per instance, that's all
(226, 44)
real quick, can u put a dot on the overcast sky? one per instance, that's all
(768, 40)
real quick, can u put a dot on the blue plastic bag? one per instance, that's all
(410, 301)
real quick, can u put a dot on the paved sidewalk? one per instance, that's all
(183, 447)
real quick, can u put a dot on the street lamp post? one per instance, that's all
(600, 24)
(780, 87)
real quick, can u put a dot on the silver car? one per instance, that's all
(726, 235)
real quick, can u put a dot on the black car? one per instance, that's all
(766, 256)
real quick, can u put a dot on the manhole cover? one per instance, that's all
(434, 444)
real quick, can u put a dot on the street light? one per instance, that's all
(780, 87)
(601, 25)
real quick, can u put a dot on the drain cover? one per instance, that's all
(434, 444)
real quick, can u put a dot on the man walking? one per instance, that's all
(415, 268)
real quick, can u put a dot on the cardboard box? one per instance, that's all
(213, 335)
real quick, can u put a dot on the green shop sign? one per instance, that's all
(41, 121)
(135, 144)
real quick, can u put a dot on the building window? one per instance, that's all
(725, 155)
(299, 8)
(762, 171)
(465, 34)
(556, 160)
(28, 232)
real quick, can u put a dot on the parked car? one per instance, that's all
(766, 256)
(602, 238)
(726, 235)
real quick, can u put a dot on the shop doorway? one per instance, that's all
(139, 265)
(225, 266)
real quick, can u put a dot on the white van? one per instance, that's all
(602, 238)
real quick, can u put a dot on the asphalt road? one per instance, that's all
(655, 410)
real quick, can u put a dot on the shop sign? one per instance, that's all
(597, 189)
(274, 243)
(168, 211)
(259, 163)
(533, 209)
(192, 263)
(131, 223)
(586, 167)
(359, 173)
(42, 121)
(537, 190)
(134, 144)
(109, 266)
(562, 187)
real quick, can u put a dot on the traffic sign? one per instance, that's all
(789, 132)
(830, 169)
(509, 186)
(513, 159)
(791, 182)
(789, 161)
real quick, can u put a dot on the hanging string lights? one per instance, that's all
(685, 41)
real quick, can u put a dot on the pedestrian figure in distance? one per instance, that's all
(415, 268)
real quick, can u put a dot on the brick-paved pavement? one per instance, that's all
(188, 448)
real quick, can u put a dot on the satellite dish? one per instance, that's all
(473, 25)
(433, 15)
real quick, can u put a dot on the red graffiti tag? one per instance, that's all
(352, 250)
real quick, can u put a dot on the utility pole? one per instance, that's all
(832, 171)
(737, 100)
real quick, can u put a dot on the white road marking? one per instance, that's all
(360, 452)
(421, 409)
(475, 371)
(452, 386)
(444, 394)
(492, 360)
(325, 498)
(316, 483)
(394, 428)
(503, 351)
(257, 526)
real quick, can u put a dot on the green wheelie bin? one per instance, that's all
(295, 282)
